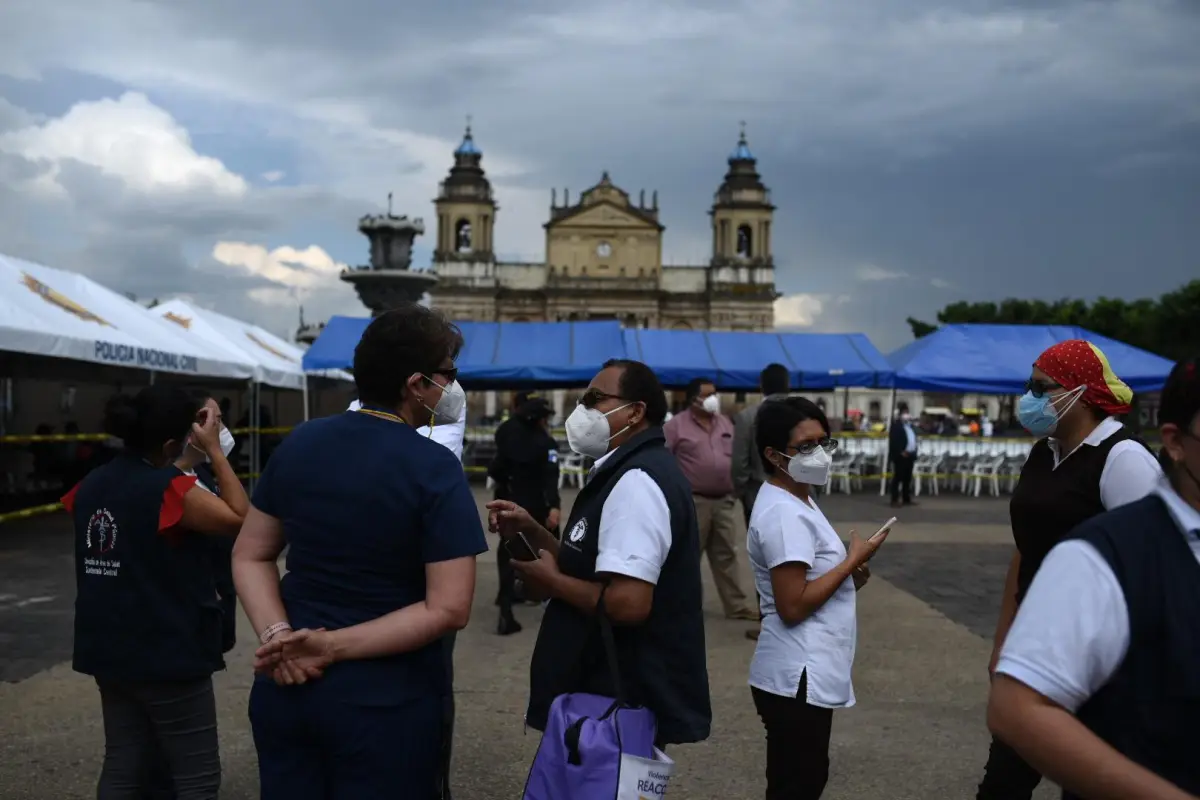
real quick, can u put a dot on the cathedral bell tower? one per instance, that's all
(741, 213)
(466, 208)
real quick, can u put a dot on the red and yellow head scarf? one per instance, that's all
(1076, 363)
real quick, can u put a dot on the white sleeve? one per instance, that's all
(1130, 473)
(635, 528)
(450, 436)
(785, 537)
(1072, 629)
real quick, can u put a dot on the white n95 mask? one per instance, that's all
(227, 441)
(588, 431)
(711, 404)
(450, 404)
(811, 468)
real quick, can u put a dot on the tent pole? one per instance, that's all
(887, 443)
(255, 436)
(304, 393)
(151, 377)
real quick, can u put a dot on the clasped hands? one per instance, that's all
(295, 657)
(507, 519)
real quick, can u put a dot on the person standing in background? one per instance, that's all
(746, 467)
(525, 470)
(701, 438)
(902, 452)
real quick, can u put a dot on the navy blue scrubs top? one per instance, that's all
(365, 504)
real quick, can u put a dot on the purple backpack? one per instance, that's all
(590, 741)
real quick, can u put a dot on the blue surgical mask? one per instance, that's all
(1040, 416)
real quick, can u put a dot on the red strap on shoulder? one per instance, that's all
(172, 506)
(68, 499)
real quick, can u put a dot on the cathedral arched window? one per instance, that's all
(462, 236)
(745, 244)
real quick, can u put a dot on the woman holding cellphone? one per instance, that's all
(806, 580)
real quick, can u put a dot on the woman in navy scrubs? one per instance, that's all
(147, 618)
(382, 533)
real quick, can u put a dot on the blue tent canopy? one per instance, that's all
(734, 359)
(997, 359)
(499, 354)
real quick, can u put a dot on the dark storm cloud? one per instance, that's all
(971, 149)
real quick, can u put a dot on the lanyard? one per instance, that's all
(381, 415)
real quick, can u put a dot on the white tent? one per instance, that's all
(50, 312)
(278, 362)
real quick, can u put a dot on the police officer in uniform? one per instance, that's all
(632, 535)
(525, 470)
(147, 618)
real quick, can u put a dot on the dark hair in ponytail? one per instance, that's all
(152, 417)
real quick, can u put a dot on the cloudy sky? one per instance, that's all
(919, 151)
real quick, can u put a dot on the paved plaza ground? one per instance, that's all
(917, 733)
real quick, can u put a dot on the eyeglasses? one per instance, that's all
(807, 448)
(1040, 388)
(450, 374)
(594, 397)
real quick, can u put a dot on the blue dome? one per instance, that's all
(468, 146)
(741, 152)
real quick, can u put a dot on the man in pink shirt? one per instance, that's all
(702, 440)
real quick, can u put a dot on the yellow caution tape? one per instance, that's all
(25, 513)
(54, 437)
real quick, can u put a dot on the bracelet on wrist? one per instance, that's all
(273, 630)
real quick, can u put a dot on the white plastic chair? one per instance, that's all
(987, 469)
(926, 469)
(571, 467)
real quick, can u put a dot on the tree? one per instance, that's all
(1169, 326)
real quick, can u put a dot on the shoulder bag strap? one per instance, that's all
(610, 646)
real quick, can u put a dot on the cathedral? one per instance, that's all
(603, 256)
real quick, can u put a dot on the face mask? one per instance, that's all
(227, 441)
(711, 404)
(1040, 415)
(811, 468)
(450, 404)
(905, 417)
(588, 431)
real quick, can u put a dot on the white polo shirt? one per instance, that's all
(1071, 632)
(784, 529)
(635, 526)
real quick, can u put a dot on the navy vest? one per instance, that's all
(1049, 503)
(663, 661)
(1150, 709)
(146, 604)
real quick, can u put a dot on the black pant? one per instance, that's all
(902, 477)
(1007, 776)
(797, 744)
(506, 596)
(144, 722)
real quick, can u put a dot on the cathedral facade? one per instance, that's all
(603, 257)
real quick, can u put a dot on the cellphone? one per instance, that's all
(887, 526)
(519, 548)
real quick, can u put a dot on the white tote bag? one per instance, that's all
(645, 778)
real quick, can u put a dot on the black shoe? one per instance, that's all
(508, 625)
(911, 503)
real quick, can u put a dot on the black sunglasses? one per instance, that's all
(594, 397)
(450, 374)
(1040, 388)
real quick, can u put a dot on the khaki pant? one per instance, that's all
(717, 519)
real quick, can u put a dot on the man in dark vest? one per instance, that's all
(1098, 682)
(632, 534)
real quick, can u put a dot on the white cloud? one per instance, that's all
(798, 310)
(939, 283)
(130, 139)
(870, 273)
(294, 272)
(274, 175)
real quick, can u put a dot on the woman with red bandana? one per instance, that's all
(1084, 463)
